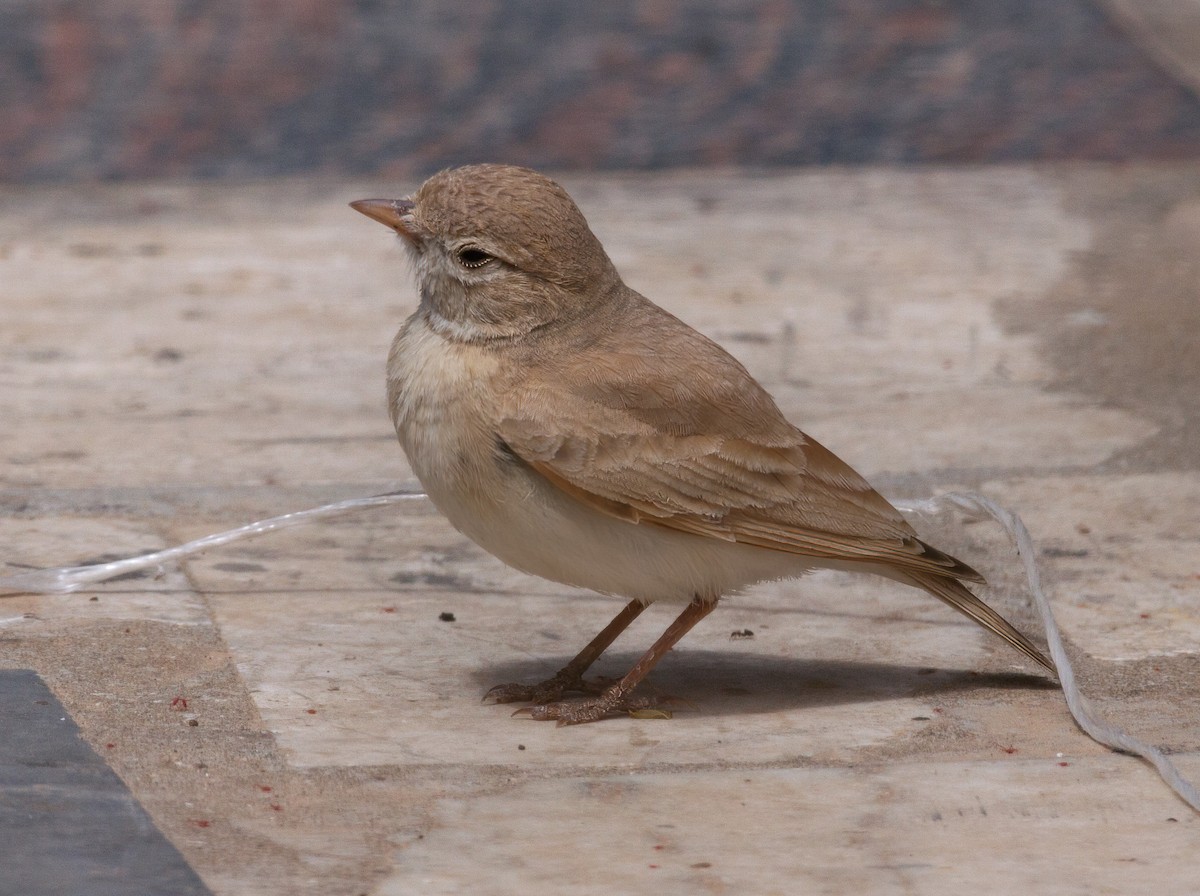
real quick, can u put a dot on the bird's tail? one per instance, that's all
(957, 595)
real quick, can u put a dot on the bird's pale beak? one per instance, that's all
(394, 213)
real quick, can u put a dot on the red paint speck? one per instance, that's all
(1010, 750)
(264, 788)
(109, 746)
(389, 610)
(311, 712)
(201, 822)
(1064, 764)
(1143, 615)
(277, 807)
(179, 703)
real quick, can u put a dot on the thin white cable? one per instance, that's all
(979, 507)
(65, 579)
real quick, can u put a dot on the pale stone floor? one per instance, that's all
(295, 716)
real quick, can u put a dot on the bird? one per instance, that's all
(577, 431)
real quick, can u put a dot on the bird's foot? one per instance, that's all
(591, 709)
(549, 691)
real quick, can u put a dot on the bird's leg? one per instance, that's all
(570, 676)
(616, 697)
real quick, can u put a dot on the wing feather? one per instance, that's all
(796, 498)
(647, 420)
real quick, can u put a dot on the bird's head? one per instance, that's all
(499, 251)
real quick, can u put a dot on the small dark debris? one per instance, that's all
(236, 566)
(701, 864)
(1172, 819)
(750, 337)
(741, 635)
(921, 719)
(436, 579)
(168, 355)
(927, 671)
(45, 355)
(446, 617)
(90, 250)
(1065, 552)
(193, 723)
(520, 746)
(94, 599)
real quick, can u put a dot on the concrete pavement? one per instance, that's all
(296, 716)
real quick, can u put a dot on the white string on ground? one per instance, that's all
(979, 507)
(66, 579)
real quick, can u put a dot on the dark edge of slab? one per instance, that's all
(68, 823)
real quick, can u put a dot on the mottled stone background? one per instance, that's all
(139, 88)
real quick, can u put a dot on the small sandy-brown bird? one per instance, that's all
(577, 431)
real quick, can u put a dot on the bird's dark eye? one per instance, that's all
(473, 258)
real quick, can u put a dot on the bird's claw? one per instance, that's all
(590, 709)
(549, 691)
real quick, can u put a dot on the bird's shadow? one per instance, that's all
(723, 683)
